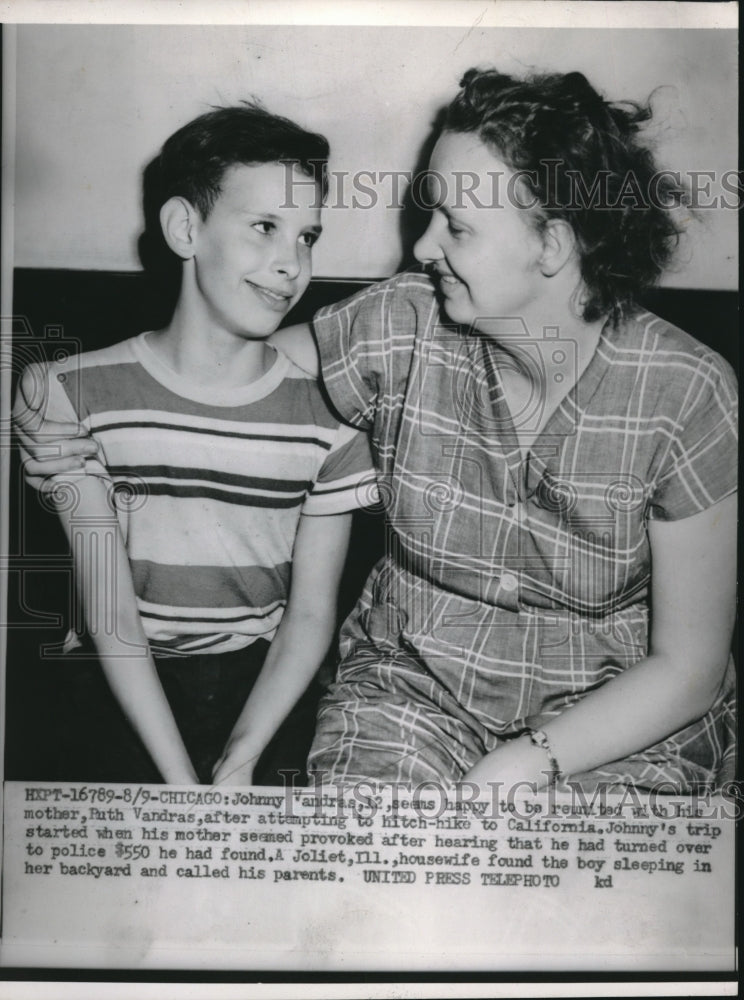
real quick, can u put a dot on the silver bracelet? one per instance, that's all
(539, 738)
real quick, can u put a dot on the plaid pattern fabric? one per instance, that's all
(512, 585)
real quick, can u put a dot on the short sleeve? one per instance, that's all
(700, 467)
(346, 480)
(366, 343)
(43, 395)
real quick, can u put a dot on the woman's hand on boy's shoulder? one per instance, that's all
(298, 343)
(50, 447)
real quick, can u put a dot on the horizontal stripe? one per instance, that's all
(171, 627)
(223, 643)
(363, 482)
(220, 586)
(210, 475)
(180, 648)
(226, 456)
(249, 421)
(131, 372)
(181, 428)
(205, 493)
(244, 616)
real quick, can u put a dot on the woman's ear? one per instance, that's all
(178, 222)
(559, 244)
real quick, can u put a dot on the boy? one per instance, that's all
(231, 482)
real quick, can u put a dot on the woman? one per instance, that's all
(557, 468)
(558, 595)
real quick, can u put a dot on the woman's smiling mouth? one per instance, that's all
(446, 280)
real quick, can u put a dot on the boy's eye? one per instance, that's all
(309, 239)
(263, 227)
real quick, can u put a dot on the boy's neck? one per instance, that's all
(206, 355)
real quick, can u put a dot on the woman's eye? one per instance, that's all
(263, 227)
(452, 228)
(309, 239)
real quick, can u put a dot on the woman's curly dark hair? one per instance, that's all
(582, 161)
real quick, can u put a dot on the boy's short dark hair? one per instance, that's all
(192, 164)
(194, 159)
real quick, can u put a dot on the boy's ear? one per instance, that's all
(178, 219)
(559, 244)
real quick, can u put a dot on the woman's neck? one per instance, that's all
(544, 365)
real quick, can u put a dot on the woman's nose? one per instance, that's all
(427, 248)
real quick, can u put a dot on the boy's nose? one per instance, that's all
(427, 248)
(287, 260)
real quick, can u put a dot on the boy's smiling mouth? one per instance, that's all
(276, 300)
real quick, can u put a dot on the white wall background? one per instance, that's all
(95, 102)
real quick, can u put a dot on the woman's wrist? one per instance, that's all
(540, 739)
(523, 761)
(513, 762)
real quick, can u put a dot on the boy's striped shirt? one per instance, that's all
(210, 485)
